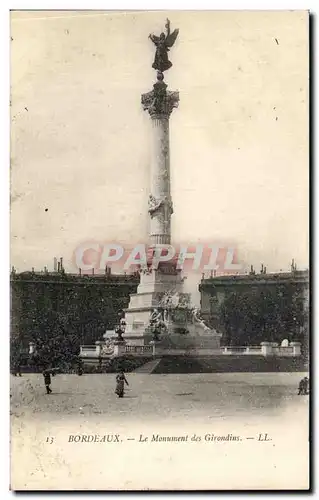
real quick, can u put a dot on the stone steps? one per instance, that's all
(148, 367)
(227, 364)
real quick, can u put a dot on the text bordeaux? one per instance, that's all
(94, 438)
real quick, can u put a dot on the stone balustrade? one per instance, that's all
(231, 350)
(122, 349)
(273, 349)
(91, 351)
(138, 349)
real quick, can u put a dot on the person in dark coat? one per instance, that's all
(80, 367)
(17, 369)
(303, 388)
(120, 379)
(307, 388)
(47, 380)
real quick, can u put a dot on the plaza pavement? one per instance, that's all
(229, 404)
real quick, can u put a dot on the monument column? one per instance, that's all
(155, 281)
(160, 104)
(151, 311)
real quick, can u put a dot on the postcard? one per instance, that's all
(159, 250)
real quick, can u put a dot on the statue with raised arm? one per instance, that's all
(156, 317)
(166, 299)
(153, 204)
(163, 44)
(157, 322)
(198, 319)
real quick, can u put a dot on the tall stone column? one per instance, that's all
(160, 290)
(155, 281)
(160, 103)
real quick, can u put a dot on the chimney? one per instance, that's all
(93, 271)
(61, 264)
(58, 267)
(80, 271)
(55, 264)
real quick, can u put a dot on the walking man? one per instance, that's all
(120, 379)
(47, 381)
(303, 388)
(17, 369)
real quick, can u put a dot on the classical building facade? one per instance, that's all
(286, 292)
(89, 304)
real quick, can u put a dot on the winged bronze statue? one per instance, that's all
(163, 44)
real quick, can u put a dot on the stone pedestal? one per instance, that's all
(266, 348)
(153, 285)
(296, 346)
(119, 347)
(98, 347)
(154, 343)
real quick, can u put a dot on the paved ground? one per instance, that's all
(157, 396)
(200, 395)
(231, 403)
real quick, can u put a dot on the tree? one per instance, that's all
(262, 314)
(57, 342)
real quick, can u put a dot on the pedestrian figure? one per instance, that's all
(17, 370)
(120, 379)
(307, 389)
(47, 381)
(303, 388)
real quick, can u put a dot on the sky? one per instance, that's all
(80, 140)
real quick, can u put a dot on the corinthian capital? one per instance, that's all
(160, 102)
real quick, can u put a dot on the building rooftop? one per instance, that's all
(293, 276)
(63, 277)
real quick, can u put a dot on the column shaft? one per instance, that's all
(160, 220)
